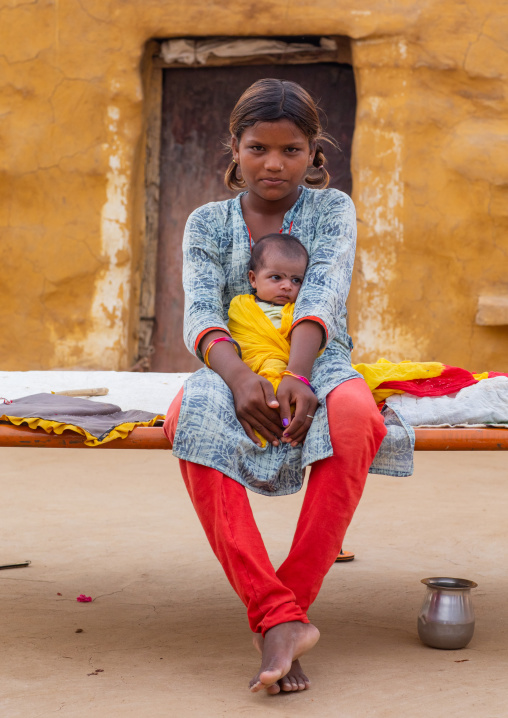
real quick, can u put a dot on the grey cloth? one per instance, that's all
(98, 418)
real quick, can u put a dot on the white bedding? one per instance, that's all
(483, 404)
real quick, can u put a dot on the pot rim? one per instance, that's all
(448, 583)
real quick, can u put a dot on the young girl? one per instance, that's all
(276, 144)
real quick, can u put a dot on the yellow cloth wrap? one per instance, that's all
(119, 432)
(265, 349)
(384, 370)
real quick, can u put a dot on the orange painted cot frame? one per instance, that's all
(153, 437)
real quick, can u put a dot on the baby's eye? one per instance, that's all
(296, 280)
(276, 277)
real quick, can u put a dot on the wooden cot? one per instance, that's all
(154, 438)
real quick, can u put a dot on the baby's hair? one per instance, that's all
(286, 243)
(270, 100)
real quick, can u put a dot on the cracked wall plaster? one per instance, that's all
(429, 171)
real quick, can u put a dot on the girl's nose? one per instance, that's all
(273, 162)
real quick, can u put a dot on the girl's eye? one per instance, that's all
(257, 148)
(292, 150)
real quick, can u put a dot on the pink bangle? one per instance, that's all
(286, 372)
(221, 339)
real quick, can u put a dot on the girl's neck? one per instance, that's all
(252, 202)
(262, 216)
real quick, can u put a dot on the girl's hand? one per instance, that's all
(256, 407)
(293, 392)
(255, 403)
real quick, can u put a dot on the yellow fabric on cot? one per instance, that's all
(119, 432)
(483, 375)
(384, 370)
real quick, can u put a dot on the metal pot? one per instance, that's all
(446, 618)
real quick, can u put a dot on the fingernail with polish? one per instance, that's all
(285, 422)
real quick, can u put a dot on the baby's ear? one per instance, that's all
(252, 279)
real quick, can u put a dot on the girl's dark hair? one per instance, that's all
(269, 100)
(288, 243)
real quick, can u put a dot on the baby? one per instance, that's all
(261, 323)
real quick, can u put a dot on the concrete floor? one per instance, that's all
(166, 636)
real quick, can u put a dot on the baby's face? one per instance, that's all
(278, 279)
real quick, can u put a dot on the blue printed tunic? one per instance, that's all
(216, 251)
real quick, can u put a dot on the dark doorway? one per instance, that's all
(196, 105)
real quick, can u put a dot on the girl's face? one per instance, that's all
(273, 157)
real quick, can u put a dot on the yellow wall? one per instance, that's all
(430, 168)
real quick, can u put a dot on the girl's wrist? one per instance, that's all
(302, 366)
(302, 370)
(213, 342)
(223, 356)
(299, 377)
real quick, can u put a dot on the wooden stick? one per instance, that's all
(101, 391)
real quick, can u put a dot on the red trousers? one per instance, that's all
(334, 489)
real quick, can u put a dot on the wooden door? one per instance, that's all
(196, 105)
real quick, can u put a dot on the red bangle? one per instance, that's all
(286, 372)
(221, 339)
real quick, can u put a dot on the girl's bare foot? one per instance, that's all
(295, 680)
(282, 646)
